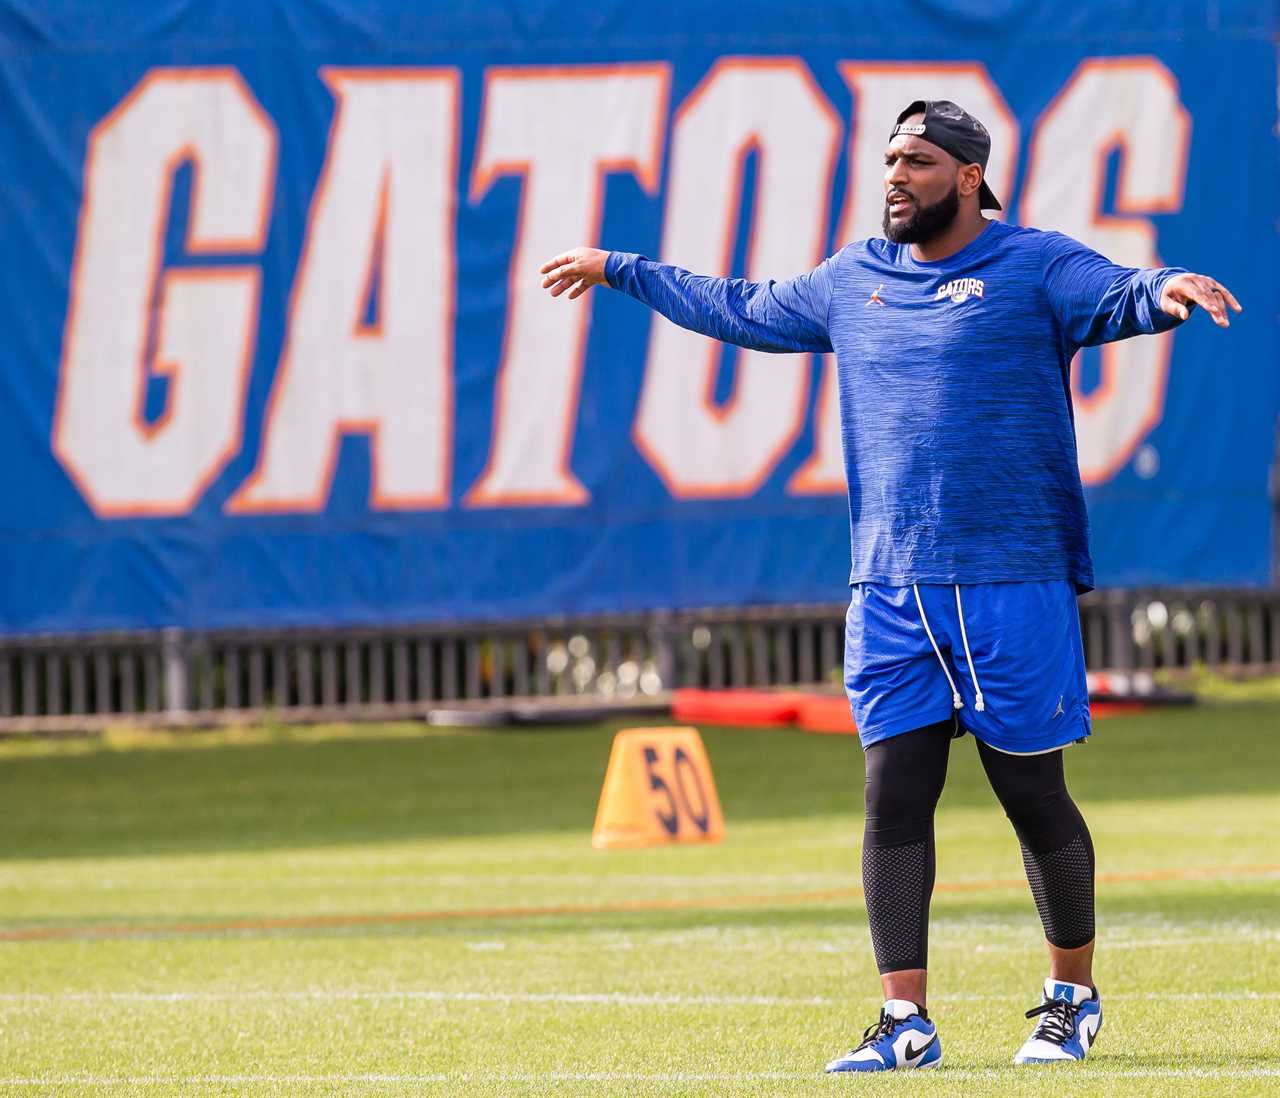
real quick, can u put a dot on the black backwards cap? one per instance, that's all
(956, 131)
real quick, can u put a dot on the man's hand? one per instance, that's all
(580, 269)
(1183, 291)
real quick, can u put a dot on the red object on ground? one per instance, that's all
(824, 713)
(1117, 708)
(810, 712)
(745, 707)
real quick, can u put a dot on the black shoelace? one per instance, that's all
(1059, 1021)
(883, 1028)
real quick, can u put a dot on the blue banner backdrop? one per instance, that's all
(275, 353)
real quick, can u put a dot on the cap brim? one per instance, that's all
(987, 200)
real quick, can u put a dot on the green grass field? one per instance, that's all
(329, 911)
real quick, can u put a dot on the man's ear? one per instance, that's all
(970, 179)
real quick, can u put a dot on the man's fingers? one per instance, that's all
(1211, 302)
(1207, 292)
(555, 274)
(1203, 291)
(1229, 297)
(575, 271)
(559, 261)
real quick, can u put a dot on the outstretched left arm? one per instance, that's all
(1097, 301)
(1182, 291)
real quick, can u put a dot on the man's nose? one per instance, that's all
(896, 174)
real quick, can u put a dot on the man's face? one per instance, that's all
(920, 189)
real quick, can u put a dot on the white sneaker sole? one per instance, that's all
(886, 1071)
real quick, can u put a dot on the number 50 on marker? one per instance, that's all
(658, 789)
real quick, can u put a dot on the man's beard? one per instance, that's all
(926, 224)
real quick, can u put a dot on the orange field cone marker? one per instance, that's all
(658, 789)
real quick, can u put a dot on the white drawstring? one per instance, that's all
(956, 700)
(955, 694)
(978, 703)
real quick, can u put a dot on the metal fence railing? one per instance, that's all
(170, 677)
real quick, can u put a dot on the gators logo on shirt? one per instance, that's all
(960, 289)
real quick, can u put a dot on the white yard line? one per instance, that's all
(592, 1077)
(713, 937)
(603, 998)
(1109, 944)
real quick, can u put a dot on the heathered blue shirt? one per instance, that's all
(955, 398)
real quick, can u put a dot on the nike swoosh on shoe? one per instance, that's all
(914, 1054)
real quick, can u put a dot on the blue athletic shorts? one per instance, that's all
(1025, 691)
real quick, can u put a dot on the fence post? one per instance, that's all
(1120, 629)
(662, 642)
(1274, 486)
(173, 656)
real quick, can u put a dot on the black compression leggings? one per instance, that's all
(905, 774)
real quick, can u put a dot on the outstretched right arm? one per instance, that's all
(763, 316)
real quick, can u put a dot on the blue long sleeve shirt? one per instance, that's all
(955, 396)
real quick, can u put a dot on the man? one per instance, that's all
(954, 338)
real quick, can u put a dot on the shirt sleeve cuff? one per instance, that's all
(1162, 276)
(1162, 321)
(616, 266)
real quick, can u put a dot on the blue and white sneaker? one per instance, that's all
(903, 1038)
(1070, 1017)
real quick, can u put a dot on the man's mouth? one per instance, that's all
(898, 201)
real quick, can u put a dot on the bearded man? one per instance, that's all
(953, 338)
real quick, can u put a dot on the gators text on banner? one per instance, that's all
(275, 350)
